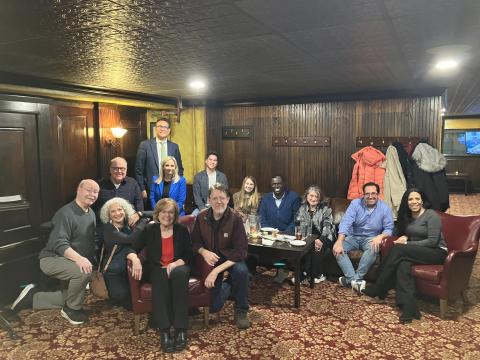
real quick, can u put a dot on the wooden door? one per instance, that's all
(20, 207)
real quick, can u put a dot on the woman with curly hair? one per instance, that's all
(118, 237)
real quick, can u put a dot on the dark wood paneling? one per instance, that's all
(469, 165)
(76, 156)
(330, 167)
(132, 119)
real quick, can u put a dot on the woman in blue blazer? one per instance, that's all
(169, 184)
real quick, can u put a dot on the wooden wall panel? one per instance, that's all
(132, 119)
(76, 149)
(330, 167)
(469, 165)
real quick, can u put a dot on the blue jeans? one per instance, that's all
(366, 261)
(236, 285)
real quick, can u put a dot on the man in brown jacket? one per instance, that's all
(219, 236)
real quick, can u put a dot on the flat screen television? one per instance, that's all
(472, 142)
(458, 142)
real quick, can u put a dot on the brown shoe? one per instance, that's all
(241, 319)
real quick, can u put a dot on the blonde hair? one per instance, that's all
(163, 204)
(176, 177)
(249, 200)
(124, 204)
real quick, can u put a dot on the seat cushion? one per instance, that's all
(431, 273)
(195, 287)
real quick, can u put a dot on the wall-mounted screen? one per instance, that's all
(461, 142)
(472, 142)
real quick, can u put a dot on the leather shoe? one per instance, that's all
(180, 340)
(372, 291)
(409, 312)
(166, 342)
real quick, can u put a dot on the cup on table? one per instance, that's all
(298, 232)
(253, 223)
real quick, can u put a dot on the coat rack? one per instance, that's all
(385, 141)
(301, 141)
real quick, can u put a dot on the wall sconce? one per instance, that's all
(117, 134)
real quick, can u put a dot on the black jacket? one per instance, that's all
(151, 238)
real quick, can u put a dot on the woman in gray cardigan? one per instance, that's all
(316, 213)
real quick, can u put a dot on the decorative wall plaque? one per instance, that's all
(302, 141)
(237, 132)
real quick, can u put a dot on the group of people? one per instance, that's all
(111, 216)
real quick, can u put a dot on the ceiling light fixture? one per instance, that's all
(197, 84)
(446, 64)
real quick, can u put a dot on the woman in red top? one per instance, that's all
(169, 252)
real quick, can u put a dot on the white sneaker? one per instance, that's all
(302, 282)
(358, 285)
(320, 279)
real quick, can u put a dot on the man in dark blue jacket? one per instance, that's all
(278, 208)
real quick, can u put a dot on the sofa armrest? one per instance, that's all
(134, 284)
(200, 268)
(386, 245)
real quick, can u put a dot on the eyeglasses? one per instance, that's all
(372, 194)
(163, 127)
(115, 168)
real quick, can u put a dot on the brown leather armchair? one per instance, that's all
(448, 281)
(198, 294)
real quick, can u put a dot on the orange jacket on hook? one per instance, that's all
(369, 166)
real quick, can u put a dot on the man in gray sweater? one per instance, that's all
(67, 256)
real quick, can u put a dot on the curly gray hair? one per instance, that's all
(127, 208)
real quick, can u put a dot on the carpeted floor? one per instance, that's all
(332, 323)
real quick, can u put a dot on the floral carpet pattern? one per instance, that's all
(332, 323)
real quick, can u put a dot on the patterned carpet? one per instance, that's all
(332, 323)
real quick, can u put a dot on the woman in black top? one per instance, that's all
(169, 252)
(115, 214)
(421, 242)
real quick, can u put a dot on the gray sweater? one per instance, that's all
(426, 230)
(72, 227)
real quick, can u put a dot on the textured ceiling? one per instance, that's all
(250, 49)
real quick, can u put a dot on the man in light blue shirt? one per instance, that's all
(365, 224)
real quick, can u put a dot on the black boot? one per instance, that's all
(166, 341)
(373, 291)
(409, 312)
(180, 339)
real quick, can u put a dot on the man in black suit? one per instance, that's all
(151, 153)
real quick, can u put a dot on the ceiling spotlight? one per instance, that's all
(446, 64)
(197, 84)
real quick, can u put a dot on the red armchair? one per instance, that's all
(198, 294)
(448, 281)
